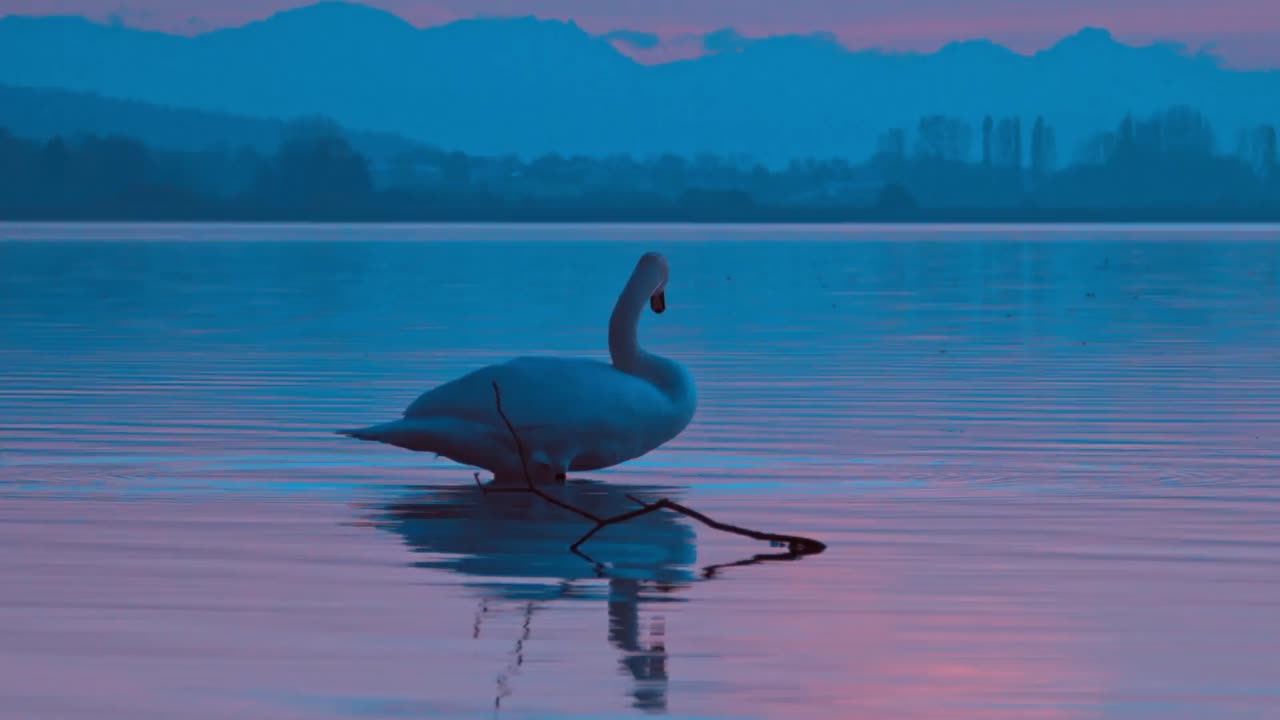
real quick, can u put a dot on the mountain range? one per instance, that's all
(42, 113)
(530, 86)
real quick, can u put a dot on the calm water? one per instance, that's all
(1046, 463)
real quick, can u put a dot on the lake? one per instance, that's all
(1045, 461)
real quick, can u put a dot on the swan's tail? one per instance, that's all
(385, 432)
(373, 432)
(420, 434)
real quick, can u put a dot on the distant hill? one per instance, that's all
(530, 86)
(43, 113)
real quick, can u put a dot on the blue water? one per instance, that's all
(1045, 462)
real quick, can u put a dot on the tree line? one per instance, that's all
(1165, 166)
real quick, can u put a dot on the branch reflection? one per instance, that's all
(515, 546)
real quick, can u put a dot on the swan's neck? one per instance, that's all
(624, 345)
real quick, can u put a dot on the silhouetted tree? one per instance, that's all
(939, 137)
(55, 169)
(1183, 130)
(1165, 160)
(893, 143)
(112, 163)
(1163, 163)
(1267, 150)
(1124, 145)
(316, 171)
(890, 160)
(987, 126)
(1097, 150)
(1008, 143)
(1043, 148)
(1257, 149)
(669, 171)
(894, 199)
(455, 170)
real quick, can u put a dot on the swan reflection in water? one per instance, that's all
(518, 544)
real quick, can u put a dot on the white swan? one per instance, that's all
(571, 414)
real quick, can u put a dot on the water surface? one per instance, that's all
(1045, 462)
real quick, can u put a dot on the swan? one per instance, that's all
(572, 414)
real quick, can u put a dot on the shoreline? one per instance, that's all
(985, 217)
(161, 231)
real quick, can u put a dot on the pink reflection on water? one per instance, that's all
(1020, 526)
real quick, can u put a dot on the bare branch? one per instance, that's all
(524, 464)
(602, 524)
(797, 545)
(710, 571)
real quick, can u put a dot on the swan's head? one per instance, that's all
(654, 271)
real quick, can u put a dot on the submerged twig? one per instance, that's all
(797, 545)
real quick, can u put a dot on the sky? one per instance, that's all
(1244, 33)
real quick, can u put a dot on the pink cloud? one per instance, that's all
(1245, 33)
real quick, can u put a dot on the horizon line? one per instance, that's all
(681, 42)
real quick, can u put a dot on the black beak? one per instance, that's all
(658, 302)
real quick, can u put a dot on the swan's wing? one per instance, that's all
(565, 406)
(536, 391)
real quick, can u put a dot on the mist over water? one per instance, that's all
(1046, 464)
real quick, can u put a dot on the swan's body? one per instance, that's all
(570, 413)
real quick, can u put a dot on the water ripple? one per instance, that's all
(1046, 463)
